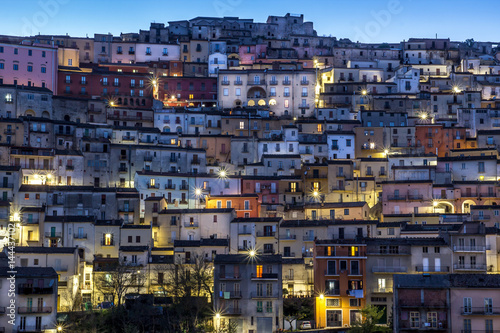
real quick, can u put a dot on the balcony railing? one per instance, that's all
(191, 224)
(304, 82)
(287, 82)
(53, 234)
(389, 269)
(480, 310)
(264, 276)
(396, 197)
(80, 236)
(474, 248)
(34, 309)
(265, 234)
(169, 186)
(232, 294)
(157, 186)
(122, 169)
(469, 267)
(382, 290)
(432, 269)
(27, 289)
(232, 311)
(256, 83)
(255, 294)
(288, 237)
(107, 243)
(183, 187)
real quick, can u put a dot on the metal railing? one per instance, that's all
(34, 309)
(389, 269)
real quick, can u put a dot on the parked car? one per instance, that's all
(305, 325)
(105, 305)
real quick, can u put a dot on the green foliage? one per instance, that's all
(370, 316)
(297, 309)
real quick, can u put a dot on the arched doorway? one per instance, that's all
(466, 206)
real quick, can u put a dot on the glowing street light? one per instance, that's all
(364, 92)
(252, 253)
(315, 193)
(222, 173)
(423, 116)
(456, 89)
(386, 151)
(59, 328)
(435, 203)
(197, 192)
(321, 296)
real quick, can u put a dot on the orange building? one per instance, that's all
(339, 280)
(438, 139)
(245, 205)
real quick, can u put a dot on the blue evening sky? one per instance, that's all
(359, 20)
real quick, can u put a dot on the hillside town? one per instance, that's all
(228, 175)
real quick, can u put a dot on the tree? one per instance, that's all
(117, 280)
(469, 42)
(368, 322)
(297, 309)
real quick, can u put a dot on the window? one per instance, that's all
(415, 319)
(269, 306)
(226, 91)
(425, 249)
(242, 125)
(488, 326)
(467, 326)
(432, 319)
(467, 304)
(259, 306)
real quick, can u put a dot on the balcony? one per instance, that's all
(265, 276)
(122, 169)
(256, 294)
(481, 217)
(303, 106)
(287, 82)
(123, 157)
(238, 83)
(480, 311)
(80, 236)
(9, 131)
(183, 187)
(230, 276)
(84, 82)
(288, 237)
(232, 311)
(153, 186)
(224, 83)
(469, 267)
(148, 158)
(27, 289)
(61, 268)
(289, 255)
(232, 294)
(308, 238)
(131, 52)
(471, 248)
(273, 82)
(396, 197)
(415, 197)
(389, 269)
(195, 161)
(256, 83)
(191, 225)
(128, 138)
(304, 82)
(169, 186)
(334, 147)
(53, 234)
(333, 292)
(432, 269)
(265, 234)
(386, 290)
(36, 309)
(107, 243)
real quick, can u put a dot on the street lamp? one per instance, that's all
(321, 297)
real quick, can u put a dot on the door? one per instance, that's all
(437, 264)
(264, 325)
(425, 264)
(52, 231)
(5, 181)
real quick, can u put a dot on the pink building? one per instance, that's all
(407, 197)
(29, 64)
(250, 54)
